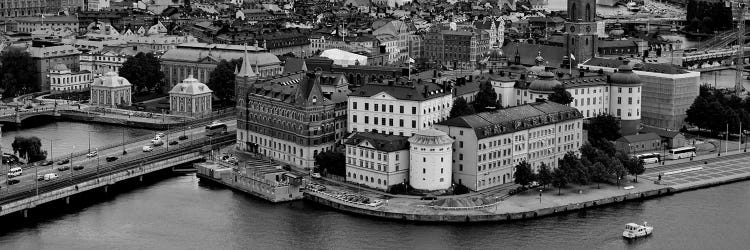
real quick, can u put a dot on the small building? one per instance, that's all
(640, 143)
(63, 79)
(111, 90)
(377, 160)
(190, 98)
(673, 139)
(430, 166)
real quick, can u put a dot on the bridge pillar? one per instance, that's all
(140, 178)
(55, 111)
(106, 187)
(67, 200)
(26, 213)
(17, 118)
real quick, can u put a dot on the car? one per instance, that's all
(173, 143)
(47, 163)
(63, 168)
(159, 135)
(92, 154)
(63, 162)
(157, 142)
(77, 167)
(147, 148)
(40, 177)
(183, 137)
(13, 181)
(111, 158)
(316, 175)
(49, 177)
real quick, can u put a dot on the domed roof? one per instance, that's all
(625, 76)
(539, 59)
(190, 86)
(60, 67)
(111, 80)
(430, 137)
(616, 32)
(545, 82)
(495, 53)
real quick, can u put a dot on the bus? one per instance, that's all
(649, 158)
(215, 128)
(683, 152)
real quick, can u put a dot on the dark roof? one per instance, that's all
(509, 120)
(381, 142)
(659, 131)
(293, 64)
(664, 68)
(300, 89)
(467, 87)
(639, 138)
(625, 76)
(403, 90)
(529, 52)
(617, 43)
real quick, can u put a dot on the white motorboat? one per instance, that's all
(633, 230)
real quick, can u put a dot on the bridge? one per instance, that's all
(18, 116)
(724, 57)
(82, 174)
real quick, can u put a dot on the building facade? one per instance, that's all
(62, 79)
(377, 160)
(398, 107)
(111, 90)
(430, 159)
(190, 98)
(48, 54)
(489, 145)
(461, 48)
(54, 23)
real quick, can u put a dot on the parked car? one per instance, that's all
(77, 167)
(92, 154)
(147, 148)
(63, 168)
(316, 175)
(63, 162)
(183, 137)
(47, 163)
(50, 176)
(40, 177)
(173, 143)
(159, 135)
(13, 181)
(111, 158)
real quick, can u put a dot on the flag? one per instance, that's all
(572, 57)
(411, 60)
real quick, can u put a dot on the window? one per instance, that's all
(424, 159)
(401, 109)
(630, 100)
(413, 124)
(367, 119)
(460, 157)
(367, 106)
(376, 107)
(390, 122)
(401, 122)
(424, 170)
(461, 132)
(354, 105)
(619, 90)
(390, 108)
(630, 90)
(354, 118)
(618, 112)
(619, 100)
(460, 167)
(460, 144)
(413, 110)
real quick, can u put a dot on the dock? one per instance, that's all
(260, 178)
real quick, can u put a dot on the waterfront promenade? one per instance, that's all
(697, 173)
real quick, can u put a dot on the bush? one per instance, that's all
(460, 189)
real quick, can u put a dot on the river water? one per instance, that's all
(179, 212)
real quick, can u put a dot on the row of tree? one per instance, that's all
(17, 76)
(487, 100)
(714, 109)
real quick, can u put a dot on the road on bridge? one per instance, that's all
(135, 149)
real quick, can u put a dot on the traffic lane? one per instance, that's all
(134, 149)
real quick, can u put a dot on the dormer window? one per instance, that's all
(315, 99)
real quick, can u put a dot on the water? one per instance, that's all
(182, 213)
(70, 137)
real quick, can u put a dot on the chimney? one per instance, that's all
(424, 93)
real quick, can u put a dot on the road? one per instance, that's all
(135, 150)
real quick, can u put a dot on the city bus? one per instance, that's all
(215, 128)
(649, 158)
(683, 152)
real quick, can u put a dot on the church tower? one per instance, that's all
(580, 30)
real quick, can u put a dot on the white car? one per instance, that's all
(92, 154)
(315, 175)
(160, 135)
(147, 148)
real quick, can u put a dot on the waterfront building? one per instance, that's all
(200, 59)
(62, 79)
(111, 90)
(430, 160)
(190, 98)
(53, 23)
(668, 91)
(377, 160)
(489, 145)
(398, 106)
(286, 118)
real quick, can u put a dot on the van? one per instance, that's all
(13, 172)
(49, 177)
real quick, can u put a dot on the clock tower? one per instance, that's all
(580, 30)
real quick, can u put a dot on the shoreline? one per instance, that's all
(430, 215)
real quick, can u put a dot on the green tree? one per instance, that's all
(633, 165)
(17, 73)
(461, 108)
(545, 175)
(604, 126)
(559, 179)
(331, 162)
(143, 71)
(29, 148)
(523, 175)
(616, 170)
(598, 173)
(486, 98)
(221, 79)
(561, 96)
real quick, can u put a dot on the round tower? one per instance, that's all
(625, 99)
(430, 160)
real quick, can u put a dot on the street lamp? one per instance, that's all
(540, 196)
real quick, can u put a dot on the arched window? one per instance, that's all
(572, 12)
(588, 13)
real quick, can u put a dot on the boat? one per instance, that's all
(633, 230)
(632, 6)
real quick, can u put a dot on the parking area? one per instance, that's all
(718, 169)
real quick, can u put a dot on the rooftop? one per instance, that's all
(379, 141)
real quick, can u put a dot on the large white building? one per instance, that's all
(430, 153)
(398, 107)
(489, 145)
(377, 160)
(62, 79)
(111, 90)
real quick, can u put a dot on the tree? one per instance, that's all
(604, 126)
(598, 173)
(616, 169)
(523, 175)
(486, 98)
(545, 175)
(633, 165)
(221, 79)
(143, 71)
(17, 73)
(461, 108)
(29, 148)
(559, 179)
(561, 96)
(331, 162)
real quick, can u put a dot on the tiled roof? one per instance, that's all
(403, 90)
(639, 138)
(381, 142)
(508, 120)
